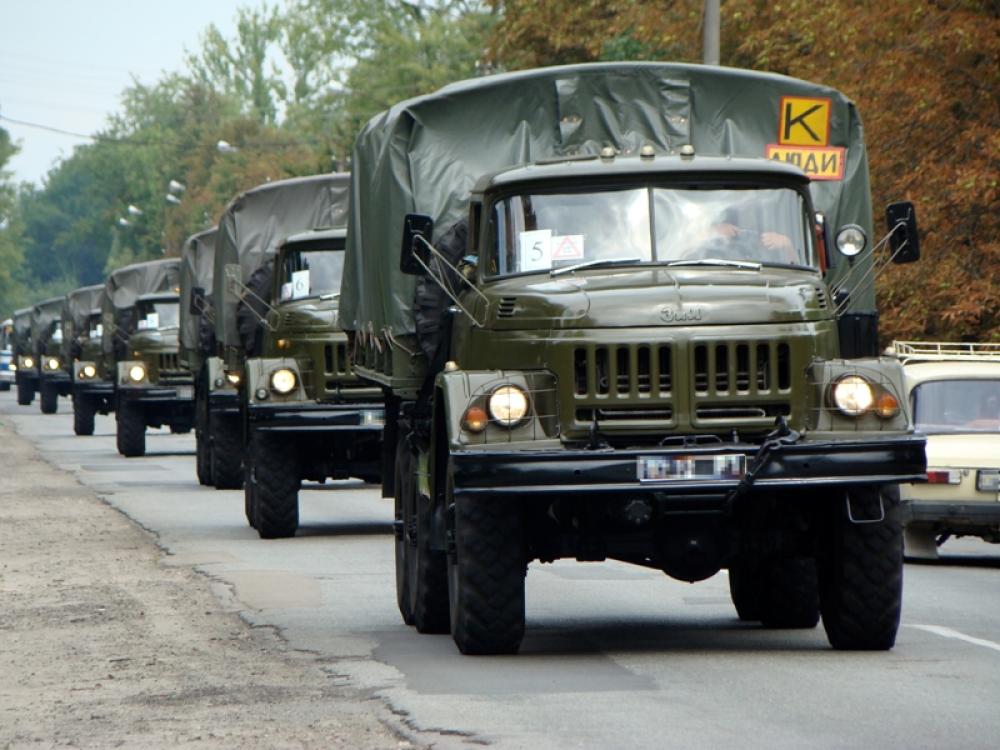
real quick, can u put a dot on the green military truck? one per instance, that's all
(197, 335)
(25, 362)
(624, 311)
(308, 415)
(81, 324)
(153, 388)
(250, 230)
(47, 340)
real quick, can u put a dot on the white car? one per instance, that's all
(6, 357)
(954, 394)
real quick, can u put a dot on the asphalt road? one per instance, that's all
(614, 656)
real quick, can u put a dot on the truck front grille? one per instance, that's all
(624, 370)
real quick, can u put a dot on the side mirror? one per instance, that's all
(901, 222)
(197, 303)
(414, 226)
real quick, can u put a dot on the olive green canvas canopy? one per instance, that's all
(424, 155)
(78, 306)
(42, 316)
(197, 264)
(255, 223)
(22, 331)
(123, 288)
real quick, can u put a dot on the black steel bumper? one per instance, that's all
(224, 402)
(317, 418)
(801, 465)
(944, 513)
(61, 379)
(100, 393)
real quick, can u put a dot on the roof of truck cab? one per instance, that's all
(317, 235)
(645, 168)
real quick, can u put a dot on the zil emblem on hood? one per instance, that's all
(681, 313)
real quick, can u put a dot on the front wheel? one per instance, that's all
(860, 568)
(131, 430)
(48, 400)
(276, 477)
(227, 451)
(83, 417)
(404, 460)
(486, 573)
(25, 393)
(426, 568)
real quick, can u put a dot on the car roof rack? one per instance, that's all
(940, 351)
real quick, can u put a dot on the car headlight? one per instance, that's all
(52, 363)
(233, 377)
(88, 371)
(29, 362)
(137, 373)
(508, 405)
(851, 240)
(283, 381)
(853, 395)
(13, 367)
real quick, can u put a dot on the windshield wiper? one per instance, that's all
(593, 263)
(745, 264)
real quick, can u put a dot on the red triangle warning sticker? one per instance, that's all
(567, 247)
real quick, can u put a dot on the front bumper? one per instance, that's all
(312, 417)
(840, 461)
(60, 378)
(950, 513)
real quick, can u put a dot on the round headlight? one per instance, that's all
(853, 395)
(88, 371)
(851, 240)
(508, 405)
(52, 363)
(29, 362)
(283, 380)
(137, 373)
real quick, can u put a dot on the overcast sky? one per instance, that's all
(64, 63)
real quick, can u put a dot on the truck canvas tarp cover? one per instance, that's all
(424, 155)
(22, 331)
(123, 289)
(197, 264)
(42, 316)
(77, 308)
(255, 223)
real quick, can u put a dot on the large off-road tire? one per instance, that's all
(131, 430)
(48, 398)
(25, 394)
(227, 451)
(276, 473)
(402, 475)
(426, 569)
(746, 587)
(202, 440)
(249, 494)
(860, 567)
(83, 417)
(790, 598)
(486, 571)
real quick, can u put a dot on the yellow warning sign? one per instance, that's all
(818, 163)
(804, 121)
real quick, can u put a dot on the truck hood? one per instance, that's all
(160, 340)
(310, 314)
(627, 298)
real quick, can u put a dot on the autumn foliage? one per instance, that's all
(925, 76)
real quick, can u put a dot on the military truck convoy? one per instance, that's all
(608, 311)
(81, 322)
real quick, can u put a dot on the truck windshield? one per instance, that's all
(156, 315)
(943, 406)
(313, 272)
(543, 231)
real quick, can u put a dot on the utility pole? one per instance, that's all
(710, 33)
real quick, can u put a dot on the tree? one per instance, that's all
(925, 77)
(11, 256)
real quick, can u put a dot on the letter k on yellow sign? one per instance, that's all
(804, 121)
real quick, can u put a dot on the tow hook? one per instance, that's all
(780, 436)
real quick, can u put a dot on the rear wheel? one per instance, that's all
(227, 451)
(48, 400)
(276, 477)
(791, 595)
(403, 476)
(131, 430)
(486, 571)
(83, 417)
(202, 442)
(426, 568)
(861, 569)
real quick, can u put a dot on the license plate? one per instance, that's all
(687, 468)
(185, 391)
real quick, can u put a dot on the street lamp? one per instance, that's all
(173, 199)
(225, 147)
(176, 187)
(123, 222)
